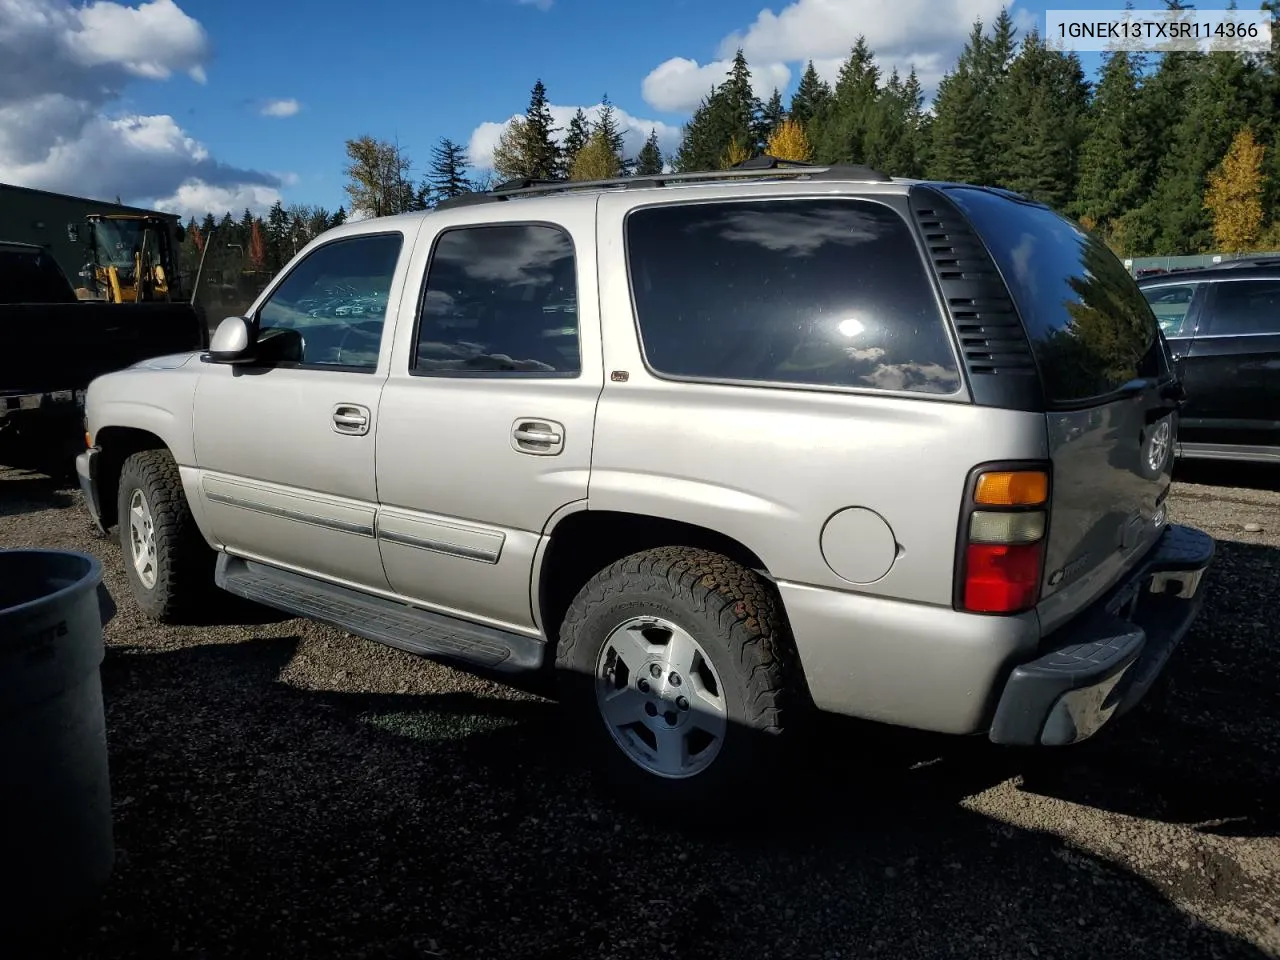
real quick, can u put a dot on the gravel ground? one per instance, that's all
(283, 789)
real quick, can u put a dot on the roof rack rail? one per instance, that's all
(757, 168)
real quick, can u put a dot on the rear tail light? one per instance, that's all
(1001, 557)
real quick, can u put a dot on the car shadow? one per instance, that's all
(256, 818)
(1208, 753)
(26, 491)
(1225, 473)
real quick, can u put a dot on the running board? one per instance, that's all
(407, 628)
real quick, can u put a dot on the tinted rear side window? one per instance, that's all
(1244, 306)
(817, 292)
(1090, 327)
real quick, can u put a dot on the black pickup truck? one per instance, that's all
(52, 344)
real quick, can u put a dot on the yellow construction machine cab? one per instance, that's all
(132, 258)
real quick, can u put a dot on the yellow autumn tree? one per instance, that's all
(1234, 195)
(596, 160)
(736, 154)
(789, 142)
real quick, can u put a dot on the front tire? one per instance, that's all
(675, 671)
(169, 564)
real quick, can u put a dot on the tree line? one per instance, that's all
(1162, 155)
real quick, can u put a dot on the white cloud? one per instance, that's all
(62, 68)
(924, 34)
(543, 5)
(195, 198)
(823, 29)
(280, 108)
(677, 85)
(152, 40)
(634, 132)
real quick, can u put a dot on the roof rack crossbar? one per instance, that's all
(758, 168)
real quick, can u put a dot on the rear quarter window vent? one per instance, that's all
(993, 344)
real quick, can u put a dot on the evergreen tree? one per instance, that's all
(811, 96)
(1115, 156)
(724, 123)
(843, 127)
(278, 249)
(544, 154)
(447, 176)
(339, 217)
(770, 119)
(607, 126)
(959, 148)
(575, 139)
(1214, 95)
(208, 225)
(649, 162)
(894, 133)
(1040, 121)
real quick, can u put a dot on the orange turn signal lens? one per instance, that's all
(1012, 488)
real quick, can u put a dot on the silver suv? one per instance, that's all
(718, 449)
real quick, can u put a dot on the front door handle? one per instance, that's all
(351, 419)
(538, 437)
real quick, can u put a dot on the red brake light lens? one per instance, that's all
(1002, 578)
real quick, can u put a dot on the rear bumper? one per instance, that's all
(87, 473)
(1104, 661)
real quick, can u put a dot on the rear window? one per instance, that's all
(32, 276)
(822, 292)
(1090, 327)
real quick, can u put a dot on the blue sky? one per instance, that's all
(169, 102)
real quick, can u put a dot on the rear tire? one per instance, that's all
(170, 565)
(689, 657)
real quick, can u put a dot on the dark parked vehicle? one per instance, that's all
(52, 344)
(1223, 326)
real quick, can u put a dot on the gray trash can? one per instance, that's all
(56, 845)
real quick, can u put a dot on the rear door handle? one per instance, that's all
(538, 437)
(351, 419)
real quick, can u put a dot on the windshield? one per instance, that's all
(1090, 327)
(117, 241)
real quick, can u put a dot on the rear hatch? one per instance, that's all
(1108, 394)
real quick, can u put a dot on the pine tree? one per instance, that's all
(811, 96)
(339, 217)
(894, 134)
(575, 139)
(726, 116)
(770, 119)
(447, 177)
(208, 225)
(789, 142)
(649, 162)
(1208, 97)
(1115, 156)
(1234, 195)
(544, 154)
(1039, 123)
(842, 128)
(607, 126)
(959, 147)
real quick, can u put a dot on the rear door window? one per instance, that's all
(826, 292)
(1090, 327)
(32, 276)
(1243, 307)
(1171, 305)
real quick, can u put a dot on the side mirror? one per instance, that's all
(73, 232)
(231, 342)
